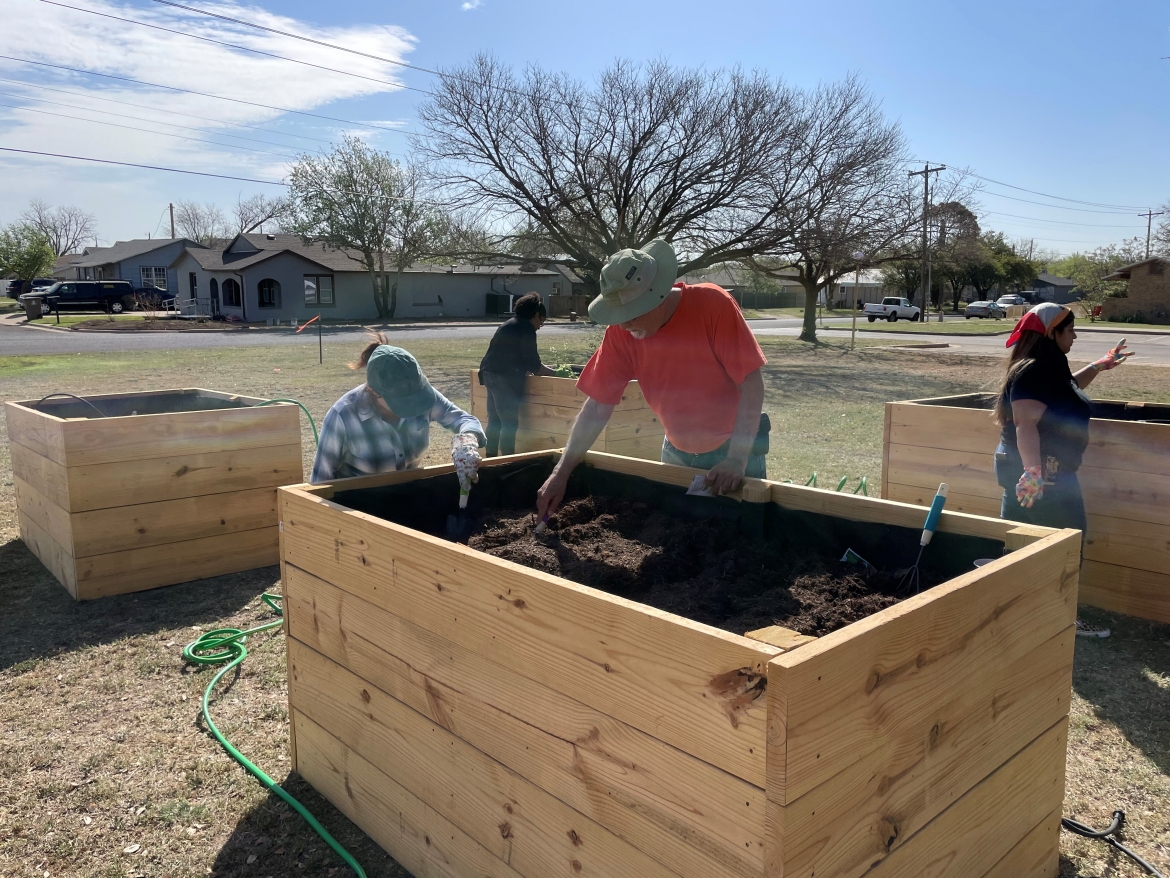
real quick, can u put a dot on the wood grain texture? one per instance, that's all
(695, 819)
(1037, 855)
(1126, 590)
(875, 691)
(1120, 542)
(138, 569)
(782, 638)
(690, 685)
(35, 430)
(55, 557)
(50, 517)
(521, 824)
(104, 531)
(421, 839)
(40, 473)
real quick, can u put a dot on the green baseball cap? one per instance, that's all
(395, 375)
(634, 282)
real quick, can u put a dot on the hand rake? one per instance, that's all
(911, 578)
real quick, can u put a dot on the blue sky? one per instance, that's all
(1068, 99)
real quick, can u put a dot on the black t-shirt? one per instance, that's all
(513, 349)
(1064, 426)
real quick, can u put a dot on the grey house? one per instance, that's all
(1051, 288)
(280, 277)
(145, 263)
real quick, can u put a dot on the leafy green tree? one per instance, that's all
(1088, 271)
(25, 252)
(374, 209)
(903, 275)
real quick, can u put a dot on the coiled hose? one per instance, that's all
(1106, 835)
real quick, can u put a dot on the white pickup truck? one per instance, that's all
(891, 309)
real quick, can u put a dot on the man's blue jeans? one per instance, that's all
(756, 463)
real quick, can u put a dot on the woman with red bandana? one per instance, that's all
(1044, 415)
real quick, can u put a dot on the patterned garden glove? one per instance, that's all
(465, 456)
(1113, 359)
(1030, 487)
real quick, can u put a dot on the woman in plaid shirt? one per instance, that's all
(385, 424)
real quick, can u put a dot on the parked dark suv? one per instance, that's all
(114, 296)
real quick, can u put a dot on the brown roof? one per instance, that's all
(1125, 271)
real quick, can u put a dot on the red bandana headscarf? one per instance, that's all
(1042, 319)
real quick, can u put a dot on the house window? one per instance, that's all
(154, 276)
(231, 293)
(556, 289)
(318, 289)
(268, 292)
(194, 280)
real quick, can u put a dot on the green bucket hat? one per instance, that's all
(396, 376)
(634, 282)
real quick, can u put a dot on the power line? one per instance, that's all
(147, 131)
(235, 46)
(203, 94)
(1056, 197)
(1057, 206)
(1059, 222)
(93, 97)
(137, 118)
(81, 158)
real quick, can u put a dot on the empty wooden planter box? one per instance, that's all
(479, 718)
(123, 492)
(1125, 478)
(551, 405)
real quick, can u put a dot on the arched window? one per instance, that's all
(215, 289)
(268, 291)
(231, 293)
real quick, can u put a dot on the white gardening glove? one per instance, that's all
(465, 456)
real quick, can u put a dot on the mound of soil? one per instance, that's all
(704, 570)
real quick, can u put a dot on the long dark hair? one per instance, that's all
(1033, 347)
(376, 339)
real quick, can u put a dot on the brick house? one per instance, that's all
(1149, 292)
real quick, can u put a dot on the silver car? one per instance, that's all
(984, 309)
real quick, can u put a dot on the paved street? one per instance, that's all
(25, 341)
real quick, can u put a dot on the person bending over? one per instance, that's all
(510, 359)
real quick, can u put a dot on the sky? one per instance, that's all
(1067, 99)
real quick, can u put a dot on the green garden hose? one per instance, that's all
(316, 438)
(227, 645)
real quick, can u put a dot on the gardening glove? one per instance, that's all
(1113, 359)
(1030, 487)
(465, 456)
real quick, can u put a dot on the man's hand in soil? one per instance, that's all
(551, 493)
(726, 475)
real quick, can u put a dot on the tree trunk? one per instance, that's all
(394, 291)
(808, 331)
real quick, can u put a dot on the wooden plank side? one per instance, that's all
(876, 690)
(45, 476)
(1138, 593)
(521, 824)
(399, 477)
(153, 566)
(784, 638)
(966, 472)
(103, 531)
(956, 502)
(1126, 543)
(941, 426)
(421, 839)
(173, 434)
(826, 502)
(647, 447)
(687, 684)
(979, 830)
(1037, 855)
(1127, 495)
(35, 430)
(845, 825)
(886, 434)
(692, 817)
(51, 518)
(49, 552)
(105, 485)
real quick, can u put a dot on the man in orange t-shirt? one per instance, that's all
(693, 356)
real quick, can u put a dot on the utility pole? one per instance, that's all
(1149, 215)
(925, 173)
(172, 208)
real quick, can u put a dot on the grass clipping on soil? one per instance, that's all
(704, 570)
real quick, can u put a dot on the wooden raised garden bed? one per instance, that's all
(128, 491)
(1125, 477)
(480, 718)
(551, 405)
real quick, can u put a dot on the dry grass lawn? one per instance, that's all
(106, 769)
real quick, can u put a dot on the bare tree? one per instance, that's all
(204, 223)
(364, 203)
(704, 159)
(253, 212)
(66, 228)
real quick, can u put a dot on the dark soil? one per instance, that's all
(704, 570)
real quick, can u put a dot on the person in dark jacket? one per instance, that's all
(510, 359)
(1044, 415)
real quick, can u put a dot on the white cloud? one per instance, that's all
(471, 4)
(51, 34)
